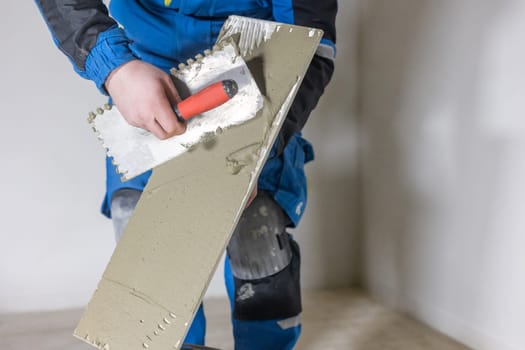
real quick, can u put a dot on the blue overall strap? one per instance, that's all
(89, 37)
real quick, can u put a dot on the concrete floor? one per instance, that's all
(337, 319)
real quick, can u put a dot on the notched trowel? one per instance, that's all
(135, 151)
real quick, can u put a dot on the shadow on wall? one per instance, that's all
(328, 233)
(430, 164)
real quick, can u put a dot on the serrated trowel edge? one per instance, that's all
(135, 151)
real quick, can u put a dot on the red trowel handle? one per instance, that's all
(204, 100)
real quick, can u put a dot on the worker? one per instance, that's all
(129, 61)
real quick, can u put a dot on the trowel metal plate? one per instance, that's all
(161, 267)
(136, 151)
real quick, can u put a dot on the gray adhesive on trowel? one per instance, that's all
(161, 268)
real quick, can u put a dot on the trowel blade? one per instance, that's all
(135, 151)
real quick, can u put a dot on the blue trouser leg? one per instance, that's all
(197, 329)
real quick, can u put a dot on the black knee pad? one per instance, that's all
(259, 246)
(273, 297)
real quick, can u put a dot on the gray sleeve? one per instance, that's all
(75, 25)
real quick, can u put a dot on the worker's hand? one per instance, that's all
(144, 96)
(251, 198)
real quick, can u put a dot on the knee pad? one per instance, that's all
(259, 246)
(274, 297)
(265, 263)
(123, 203)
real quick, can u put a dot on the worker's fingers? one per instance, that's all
(251, 197)
(145, 95)
(173, 98)
(167, 119)
(171, 92)
(154, 127)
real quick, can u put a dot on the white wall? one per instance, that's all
(443, 98)
(328, 233)
(55, 244)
